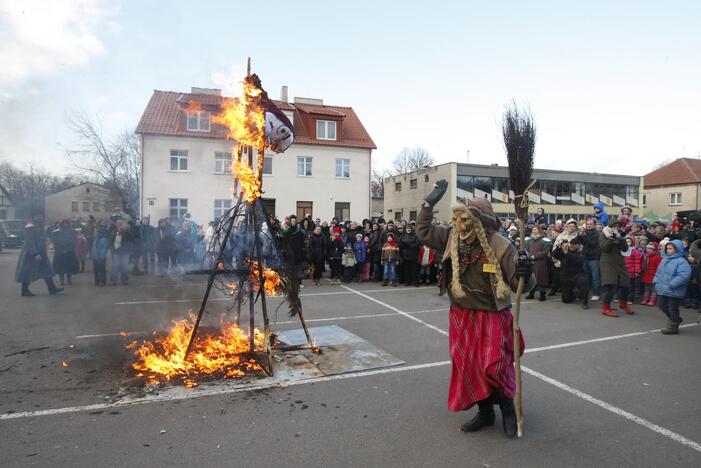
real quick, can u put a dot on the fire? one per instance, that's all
(272, 283)
(223, 354)
(244, 117)
(250, 184)
(65, 364)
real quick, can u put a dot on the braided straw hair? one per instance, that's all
(461, 211)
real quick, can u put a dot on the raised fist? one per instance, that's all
(439, 189)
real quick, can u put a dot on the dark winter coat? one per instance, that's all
(409, 246)
(165, 240)
(613, 266)
(335, 249)
(317, 248)
(294, 240)
(359, 249)
(28, 267)
(540, 249)
(571, 266)
(591, 251)
(65, 259)
(375, 244)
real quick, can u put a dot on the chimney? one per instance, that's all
(283, 94)
(208, 91)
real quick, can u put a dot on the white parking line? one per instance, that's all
(585, 396)
(218, 391)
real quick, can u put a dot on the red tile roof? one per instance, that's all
(678, 172)
(164, 115)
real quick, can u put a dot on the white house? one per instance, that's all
(186, 159)
(80, 202)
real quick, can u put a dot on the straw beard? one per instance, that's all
(468, 227)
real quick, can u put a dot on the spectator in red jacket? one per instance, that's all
(651, 260)
(634, 260)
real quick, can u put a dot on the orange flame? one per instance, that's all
(65, 364)
(272, 284)
(250, 184)
(220, 354)
(244, 117)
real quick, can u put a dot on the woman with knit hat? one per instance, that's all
(614, 275)
(482, 268)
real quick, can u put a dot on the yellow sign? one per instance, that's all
(489, 268)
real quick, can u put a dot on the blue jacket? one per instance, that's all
(99, 248)
(359, 250)
(602, 215)
(673, 273)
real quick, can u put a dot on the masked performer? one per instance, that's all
(482, 268)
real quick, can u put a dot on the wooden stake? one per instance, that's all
(517, 335)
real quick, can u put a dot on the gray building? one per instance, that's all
(7, 205)
(79, 202)
(562, 194)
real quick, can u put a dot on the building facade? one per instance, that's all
(7, 205)
(80, 202)
(561, 194)
(186, 160)
(671, 188)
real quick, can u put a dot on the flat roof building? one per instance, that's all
(561, 194)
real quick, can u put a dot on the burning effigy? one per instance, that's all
(249, 262)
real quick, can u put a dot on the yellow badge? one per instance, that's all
(489, 268)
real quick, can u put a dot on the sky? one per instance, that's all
(613, 86)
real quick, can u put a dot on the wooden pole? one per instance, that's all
(517, 334)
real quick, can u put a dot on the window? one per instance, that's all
(398, 215)
(178, 160)
(96, 206)
(74, 206)
(342, 210)
(86, 206)
(412, 216)
(343, 168)
(325, 130)
(268, 206)
(178, 207)
(675, 198)
(220, 207)
(397, 186)
(268, 165)
(109, 205)
(304, 166)
(198, 121)
(426, 178)
(644, 199)
(304, 209)
(222, 162)
(413, 183)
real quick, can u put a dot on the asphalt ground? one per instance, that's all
(597, 391)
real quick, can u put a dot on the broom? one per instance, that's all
(518, 130)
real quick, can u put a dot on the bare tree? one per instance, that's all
(377, 181)
(411, 159)
(29, 187)
(114, 163)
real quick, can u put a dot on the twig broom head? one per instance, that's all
(519, 132)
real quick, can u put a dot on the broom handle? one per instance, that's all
(517, 335)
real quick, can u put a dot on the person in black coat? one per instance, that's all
(165, 247)
(317, 253)
(574, 279)
(33, 262)
(375, 248)
(409, 253)
(65, 259)
(334, 253)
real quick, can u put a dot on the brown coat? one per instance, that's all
(480, 293)
(540, 249)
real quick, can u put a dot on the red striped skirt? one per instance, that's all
(481, 350)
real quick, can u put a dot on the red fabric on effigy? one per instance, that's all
(481, 350)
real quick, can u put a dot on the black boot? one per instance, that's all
(25, 290)
(484, 418)
(531, 294)
(52, 287)
(508, 416)
(542, 296)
